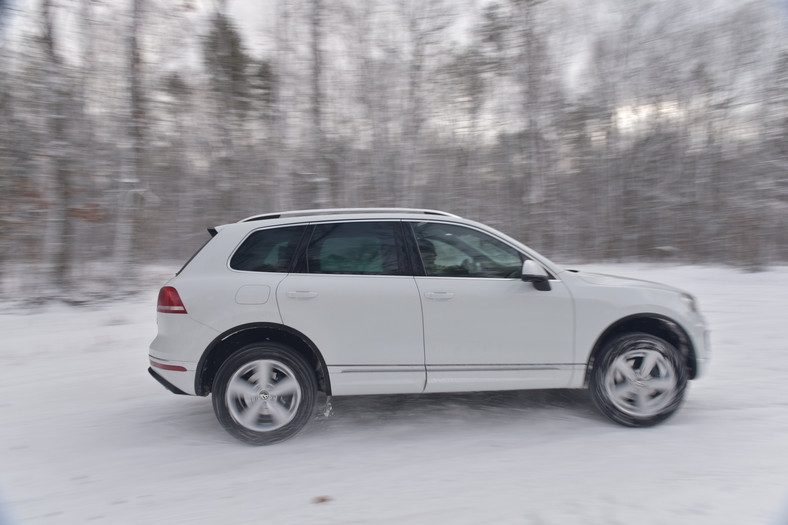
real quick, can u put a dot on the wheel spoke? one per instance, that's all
(249, 415)
(241, 388)
(625, 391)
(642, 399)
(263, 371)
(648, 364)
(287, 386)
(279, 413)
(624, 368)
(662, 384)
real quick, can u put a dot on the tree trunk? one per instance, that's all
(60, 160)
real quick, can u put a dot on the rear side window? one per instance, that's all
(269, 250)
(362, 248)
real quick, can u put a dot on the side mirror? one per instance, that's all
(534, 273)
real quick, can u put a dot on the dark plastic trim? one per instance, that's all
(671, 325)
(262, 217)
(166, 384)
(257, 326)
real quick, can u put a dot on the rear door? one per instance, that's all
(352, 293)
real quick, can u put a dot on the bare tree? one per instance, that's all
(424, 23)
(667, 138)
(129, 184)
(60, 157)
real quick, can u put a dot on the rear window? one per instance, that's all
(269, 250)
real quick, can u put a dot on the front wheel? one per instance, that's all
(638, 380)
(264, 394)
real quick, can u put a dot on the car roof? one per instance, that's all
(295, 216)
(347, 211)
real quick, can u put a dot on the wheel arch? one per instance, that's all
(236, 338)
(650, 323)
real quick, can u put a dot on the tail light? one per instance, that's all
(170, 302)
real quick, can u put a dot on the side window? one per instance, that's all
(268, 250)
(449, 250)
(364, 248)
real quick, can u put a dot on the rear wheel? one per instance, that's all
(638, 380)
(264, 393)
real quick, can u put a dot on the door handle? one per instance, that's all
(302, 295)
(439, 296)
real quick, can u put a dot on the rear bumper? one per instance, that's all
(176, 376)
(166, 384)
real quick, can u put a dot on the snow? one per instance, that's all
(87, 436)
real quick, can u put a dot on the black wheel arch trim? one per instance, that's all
(324, 381)
(684, 345)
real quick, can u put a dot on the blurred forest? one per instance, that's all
(604, 130)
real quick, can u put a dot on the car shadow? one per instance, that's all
(192, 420)
(455, 410)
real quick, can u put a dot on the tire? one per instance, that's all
(638, 380)
(264, 393)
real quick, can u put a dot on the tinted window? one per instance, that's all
(448, 250)
(267, 250)
(366, 248)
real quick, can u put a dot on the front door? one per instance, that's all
(484, 328)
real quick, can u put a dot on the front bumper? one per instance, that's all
(702, 355)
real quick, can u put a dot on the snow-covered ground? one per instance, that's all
(86, 436)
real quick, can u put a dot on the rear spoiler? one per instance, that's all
(216, 229)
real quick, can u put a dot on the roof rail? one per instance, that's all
(330, 211)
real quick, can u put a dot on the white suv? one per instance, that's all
(277, 309)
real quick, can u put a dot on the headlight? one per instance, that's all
(690, 301)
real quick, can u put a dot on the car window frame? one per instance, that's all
(404, 263)
(249, 234)
(419, 263)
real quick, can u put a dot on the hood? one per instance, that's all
(601, 279)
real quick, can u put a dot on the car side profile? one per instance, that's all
(278, 309)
